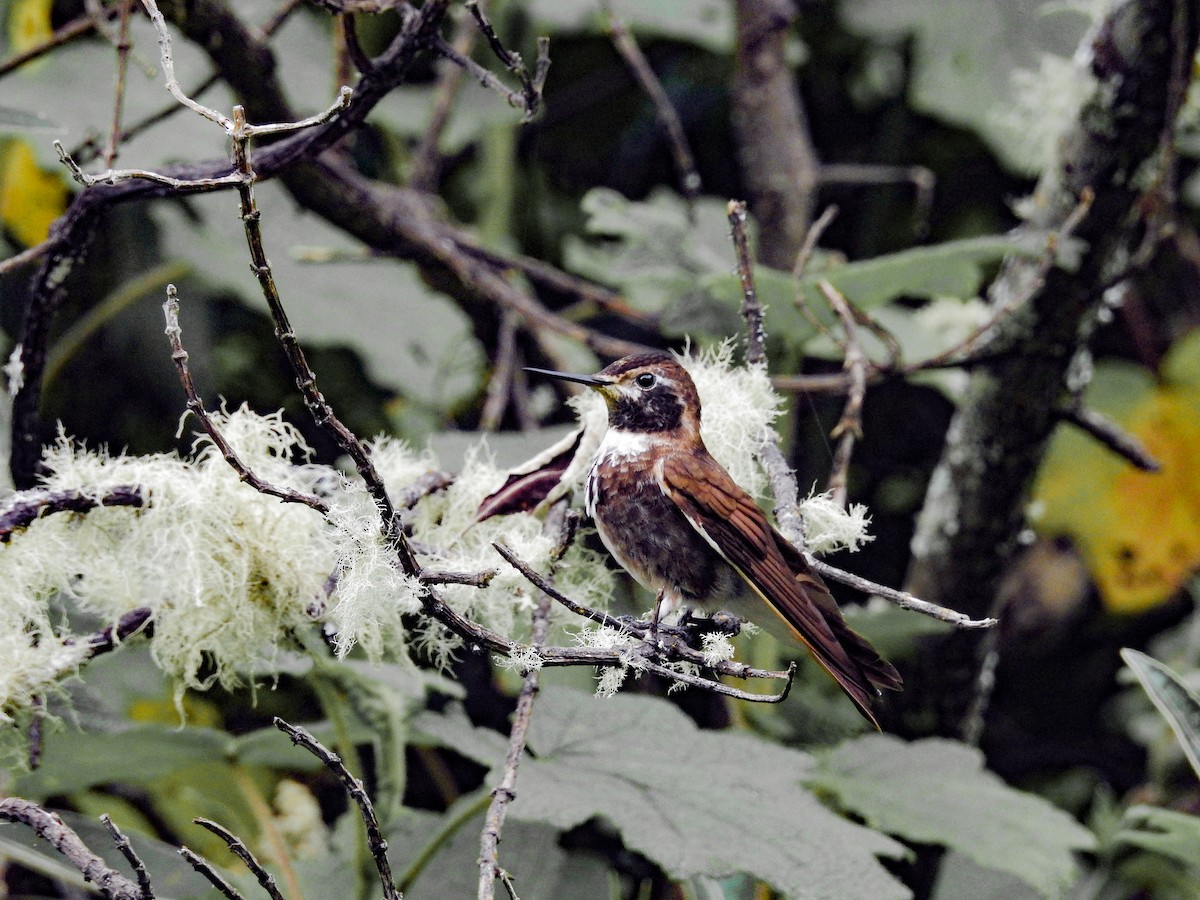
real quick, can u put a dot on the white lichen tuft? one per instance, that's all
(226, 569)
(1045, 101)
(14, 372)
(523, 660)
(28, 668)
(609, 680)
(716, 648)
(739, 407)
(828, 527)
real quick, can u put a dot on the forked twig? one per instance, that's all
(354, 788)
(242, 852)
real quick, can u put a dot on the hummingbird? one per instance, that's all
(675, 519)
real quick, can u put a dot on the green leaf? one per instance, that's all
(1177, 702)
(1172, 834)
(964, 56)
(936, 791)
(696, 802)
(74, 761)
(530, 852)
(952, 269)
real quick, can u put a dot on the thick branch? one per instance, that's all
(967, 532)
(50, 828)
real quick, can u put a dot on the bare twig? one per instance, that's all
(505, 792)
(674, 648)
(196, 406)
(114, 134)
(473, 579)
(204, 867)
(25, 257)
(668, 116)
(76, 28)
(135, 861)
(752, 311)
(427, 158)
(902, 599)
(242, 852)
(783, 479)
(50, 828)
(1110, 434)
(429, 483)
(354, 788)
(812, 238)
(500, 385)
(29, 506)
(484, 76)
(531, 85)
(849, 426)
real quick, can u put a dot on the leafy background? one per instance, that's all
(645, 794)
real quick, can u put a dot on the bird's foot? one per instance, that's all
(721, 622)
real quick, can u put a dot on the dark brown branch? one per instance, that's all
(969, 529)
(50, 828)
(856, 364)
(1110, 434)
(531, 85)
(505, 792)
(28, 507)
(429, 483)
(774, 146)
(196, 407)
(752, 310)
(204, 867)
(473, 579)
(76, 28)
(242, 852)
(126, 849)
(664, 110)
(354, 788)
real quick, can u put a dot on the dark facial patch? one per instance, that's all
(658, 409)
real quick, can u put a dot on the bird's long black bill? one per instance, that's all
(589, 380)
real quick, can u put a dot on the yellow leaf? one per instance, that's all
(30, 197)
(1138, 532)
(29, 24)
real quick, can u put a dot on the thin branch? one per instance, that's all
(123, 46)
(354, 788)
(25, 257)
(28, 506)
(204, 867)
(242, 852)
(500, 385)
(812, 238)
(484, 76)
(196, 406)
(902, 599)
(673, 646)
(668, 116)
(50, 828)
(856, 364)
(752, 311)
(531, 85)
(135, 861)
(76, 28)
(429, 483)
(427, 157)
(505, 792)
(1110, 434)
(472, 579)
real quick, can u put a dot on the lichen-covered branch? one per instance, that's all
(974, 509)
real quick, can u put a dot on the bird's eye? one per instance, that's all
(645, 381)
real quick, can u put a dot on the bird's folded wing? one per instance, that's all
(732, 523)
